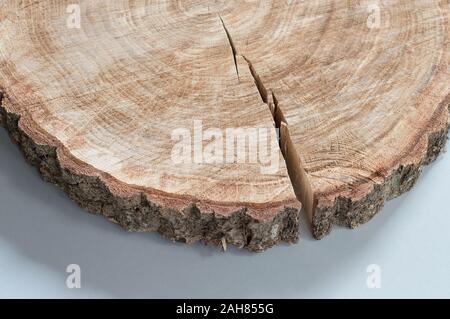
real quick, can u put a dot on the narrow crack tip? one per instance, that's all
(233, 47)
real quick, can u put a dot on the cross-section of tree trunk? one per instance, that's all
(213, 120)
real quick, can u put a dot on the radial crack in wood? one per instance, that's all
(297, 174)
(233, 48)
(259, 84)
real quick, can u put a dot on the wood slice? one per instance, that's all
(100, 95)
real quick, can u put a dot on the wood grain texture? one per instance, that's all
(95, 108)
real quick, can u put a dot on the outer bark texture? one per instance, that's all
(349, 213)
(359, 95)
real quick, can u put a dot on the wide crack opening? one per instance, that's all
(297, 174)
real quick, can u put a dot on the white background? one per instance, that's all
(42, 231)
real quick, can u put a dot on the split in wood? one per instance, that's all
(297, 174)
(233, 48)
(259, 84)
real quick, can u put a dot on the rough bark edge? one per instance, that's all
(352, 214)
(138, 214)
